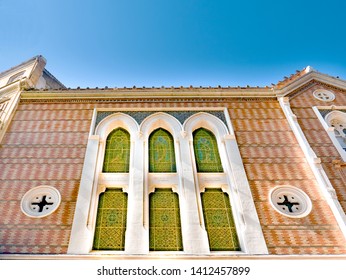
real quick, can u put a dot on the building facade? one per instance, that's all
(171, 171)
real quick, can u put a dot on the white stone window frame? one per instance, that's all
(224, 180)
(139, 184)
(328, 128)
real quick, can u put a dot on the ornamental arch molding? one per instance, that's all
(160, 120)
(207, 121)
(116, 120)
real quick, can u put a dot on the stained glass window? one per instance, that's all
(111, 221)
(117, 154)
(219, 221)
(206, 151)
(161, 152)
(164, 223)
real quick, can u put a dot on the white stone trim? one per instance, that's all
(315, 165)
(8, 108)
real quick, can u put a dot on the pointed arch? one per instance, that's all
(206, 151)
(163, 120)
(116, 120)
(117, 152)
(161, 152)
(207, 121)
(336, 121)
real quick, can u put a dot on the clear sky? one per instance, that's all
(119, 43)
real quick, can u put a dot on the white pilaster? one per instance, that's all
(250, 233)
(81, 236)
(195, 237)
(136, 239)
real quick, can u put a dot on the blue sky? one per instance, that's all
(174, 42)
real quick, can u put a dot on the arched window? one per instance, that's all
(339, 125)
(164, 224)
(206, 151)
(219, 221)
(161, 152)
(117, 154)
(337, 120)
(111, 221)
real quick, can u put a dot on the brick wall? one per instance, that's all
(45, 145)
(272, 157)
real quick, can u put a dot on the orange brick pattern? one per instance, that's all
(45, 145)
(317, 137)
(271, 157)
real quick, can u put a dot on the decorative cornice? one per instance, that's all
(148, 95)
(152, 100)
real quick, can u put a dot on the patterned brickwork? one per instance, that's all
(271, 157)
(44, 145)
(301, 105)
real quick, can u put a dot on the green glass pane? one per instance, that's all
(206, 151)
(164, 221)
(117, 154)
(161, 152)
(111, 221)
(219, 221)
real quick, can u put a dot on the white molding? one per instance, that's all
(315, 165)
(148, 93)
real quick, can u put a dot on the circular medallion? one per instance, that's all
(40, 201)
(290, 201)
(324, 95)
